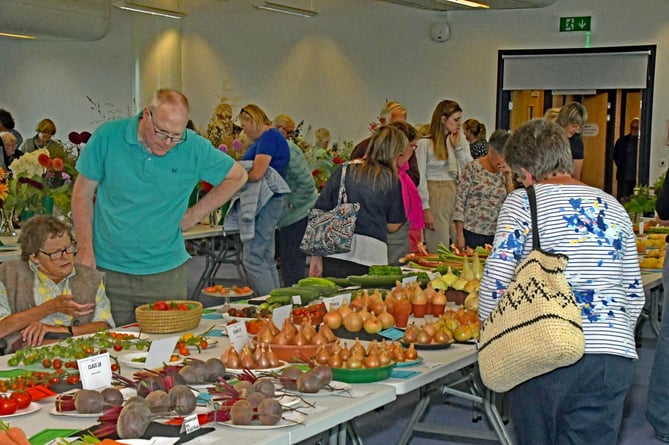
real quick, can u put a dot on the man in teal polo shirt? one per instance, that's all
(130, 201)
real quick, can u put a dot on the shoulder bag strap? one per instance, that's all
(536, 245)
(342, 186)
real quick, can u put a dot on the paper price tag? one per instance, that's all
(297, 299)
(280, 314)
(190, 424)
(346, 298)
(160, 352)
(95, 371)
(409, 280)
(238, 335)
(333, 302)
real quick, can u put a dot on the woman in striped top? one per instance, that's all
(581, 403)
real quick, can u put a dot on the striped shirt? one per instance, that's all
(594, 231)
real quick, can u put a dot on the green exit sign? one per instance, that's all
(571, 24)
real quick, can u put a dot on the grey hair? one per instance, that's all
(572, 113)
(541, 147)
(497, 140)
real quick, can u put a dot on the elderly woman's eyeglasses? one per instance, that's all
(57, 254)
(164, 136)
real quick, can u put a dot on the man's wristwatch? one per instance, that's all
(69, 329)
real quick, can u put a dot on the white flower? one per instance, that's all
(28, 165)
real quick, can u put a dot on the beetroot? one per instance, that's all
(241, 413)
(269, 412)
(112, 396)
(88, 401)
(265, 386)
(182, 399)
(133, 421)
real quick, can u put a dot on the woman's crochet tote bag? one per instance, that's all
(536, 327)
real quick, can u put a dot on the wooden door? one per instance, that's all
(594, 140)
(527, 104)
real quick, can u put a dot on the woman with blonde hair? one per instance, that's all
(441, 157)
(46, 129)
(322, 138)
(476, 136)
(373, 182)
(268, 151)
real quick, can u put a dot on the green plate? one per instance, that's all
(365, 375)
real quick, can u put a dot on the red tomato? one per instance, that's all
(57, 363)
(182, 307)
(118, 347)
(114, 367)
(8, 405)
(161, 306)
(46, 362)
(204, 344)
(73, 379)
(22, 398)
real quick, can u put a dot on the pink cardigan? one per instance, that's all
(413, 207)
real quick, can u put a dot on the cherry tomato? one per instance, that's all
(72, 379)
(54, 380)
(184, 351)
(210, 289)
(204, 344)
(114, 367)
(182, 307)
(7, 405)
(57, 363)
(46, 363)
(118, 347)
(22, 398)
(181, 345)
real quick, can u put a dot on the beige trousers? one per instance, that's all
(442, 202)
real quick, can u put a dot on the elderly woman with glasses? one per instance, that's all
(42, 295)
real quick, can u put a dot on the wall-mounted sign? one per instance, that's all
(590, 130)
(573, 24)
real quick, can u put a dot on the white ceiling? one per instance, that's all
(443, 5)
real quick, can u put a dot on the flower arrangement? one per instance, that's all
(322, 161)
(36, 176)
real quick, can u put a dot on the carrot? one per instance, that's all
(18, 435)
(5, 440)
(109, 442)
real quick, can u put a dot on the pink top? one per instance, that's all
(413, 206)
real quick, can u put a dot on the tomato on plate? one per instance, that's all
(7, 405)
(22, 398)
(57, 364)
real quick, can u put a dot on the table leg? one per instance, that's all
(209, 264)
(419, 410)
(353, 433)
(657, 297)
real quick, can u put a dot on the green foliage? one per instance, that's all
(641, 202)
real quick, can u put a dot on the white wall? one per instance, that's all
(335, 70)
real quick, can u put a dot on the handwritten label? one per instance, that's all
(409, 280)
(333, 302)
(160, 352)
(95, 371)
(238, 335)
(190, 424)
(280, 314)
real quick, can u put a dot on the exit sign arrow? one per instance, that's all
(575, 24)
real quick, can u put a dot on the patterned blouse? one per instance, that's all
(478, 199)
(45, 289)
(594, 231)
(478, 149)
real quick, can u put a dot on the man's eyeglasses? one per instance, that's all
(57, 254)
(164, 136)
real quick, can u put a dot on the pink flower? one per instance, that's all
(223, 148)
(237, 145)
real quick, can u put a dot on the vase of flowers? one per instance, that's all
(38, 183)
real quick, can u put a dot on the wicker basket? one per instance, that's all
(166, 322)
